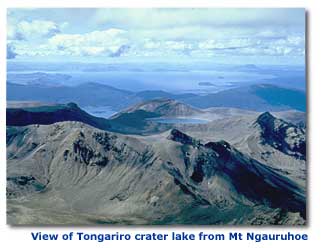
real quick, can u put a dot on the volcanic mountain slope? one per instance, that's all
(72, 173)
(297, 118)
(268, 139)
(51, 113)
(168, 108)
(279, 144)
(282, 135)
(136, 119)
(42, 113)
(163, 107)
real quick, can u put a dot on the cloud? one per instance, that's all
(158, 33)
(10, 52)
(13, 33)
(155, 48)
(111, 42)
(120, 51)
(116, 43)
(227, 44)
(160, 18)
(269, 46)
(38, 28)
(35, 29)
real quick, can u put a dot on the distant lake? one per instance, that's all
(101, 111)
(179, 120)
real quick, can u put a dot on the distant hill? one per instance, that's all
(262, 97)
(88, 94)
(277, 96)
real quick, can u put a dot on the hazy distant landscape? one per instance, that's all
(130, 87)
(111, 127)
(187, 77)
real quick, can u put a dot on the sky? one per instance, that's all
(268, 36)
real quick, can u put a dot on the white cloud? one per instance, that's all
(12, 33)
(106, 42)
(150, 44)
(116, 42)
(160, 18)
(35, 29)
(178, 45)
(227, 44)
(38, 28)
(161, 32)
(292, 45)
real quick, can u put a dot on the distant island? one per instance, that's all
(206, 84)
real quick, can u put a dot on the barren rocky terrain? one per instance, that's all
(241, 167)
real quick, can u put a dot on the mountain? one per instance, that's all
(261, 97)
(70, 172)
(133, 121)
(282, 135)
(278, 96)
(51, 113)
(137, 122)
(295, 117)
(163, 107)
(279, 144)
(272, 141)
(88, 94)
(137, 119)
(240, 171)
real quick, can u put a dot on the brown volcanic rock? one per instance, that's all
(92, 175)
